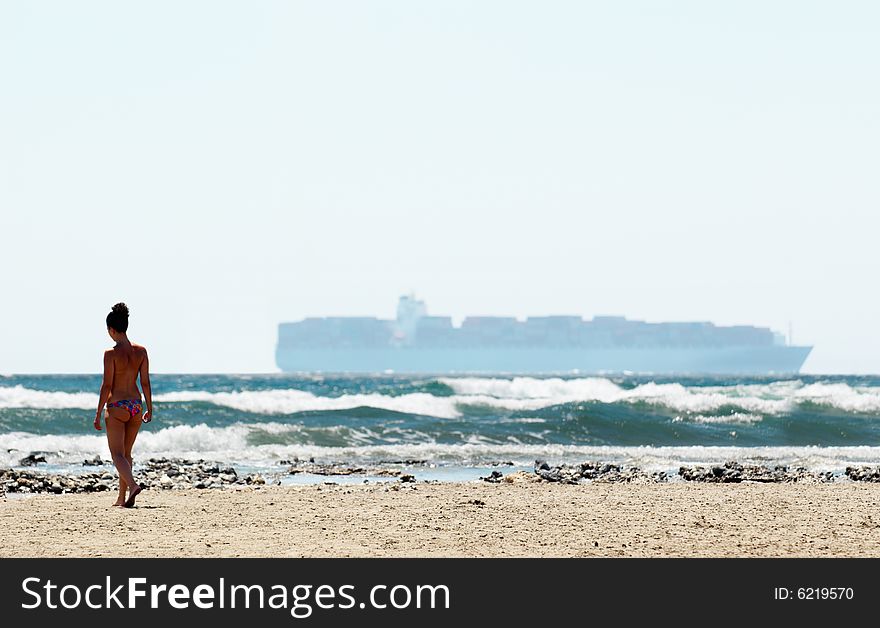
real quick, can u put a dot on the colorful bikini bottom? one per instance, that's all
(133, 406)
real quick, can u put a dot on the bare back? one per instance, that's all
(127, 364)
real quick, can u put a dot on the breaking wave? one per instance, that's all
(241, 444)
(516, 394)
(818, 422)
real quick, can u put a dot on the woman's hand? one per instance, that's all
(98, 421)
(148, 416)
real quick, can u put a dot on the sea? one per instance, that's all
(456, 427)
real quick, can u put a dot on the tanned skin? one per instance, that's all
(122, 366)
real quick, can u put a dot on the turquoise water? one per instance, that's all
(460, 426)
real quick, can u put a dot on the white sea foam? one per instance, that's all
(771, 398)
(587, 388)
(288, 401)
(20, 397)
(180, 440)
(517, 394)
(841, 396)
(736, 417)
(233, 444)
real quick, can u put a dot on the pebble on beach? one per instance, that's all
(595, 471)
(863, 474)
(336, 468)
(177, 474)
(32, 460)
(733, 472)
(162, 473)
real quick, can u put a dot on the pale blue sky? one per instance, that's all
(223, 166)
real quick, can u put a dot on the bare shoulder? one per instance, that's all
(140, 351)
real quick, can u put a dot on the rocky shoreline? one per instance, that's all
(309, 466)
(179, 474)
(733, 472)
(161, 473)
(729, 472)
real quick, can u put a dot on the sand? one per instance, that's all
(455, 519)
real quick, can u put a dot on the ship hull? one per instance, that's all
(722, 360)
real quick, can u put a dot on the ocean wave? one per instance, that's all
(180, 440)
(772, 398)
(841, 396)
(235, 444)
(20, 397)
(736, 417)
(515, 394)
(291, 401)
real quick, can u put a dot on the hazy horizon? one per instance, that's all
(456, 322)
(223, 167)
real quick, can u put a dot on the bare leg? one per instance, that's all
(131, 432)
(120, 497)
(116, 441)
(123, 486)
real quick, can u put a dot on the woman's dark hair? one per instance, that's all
(118, 318)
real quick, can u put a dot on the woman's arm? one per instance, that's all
(106, 386)
(145, 384)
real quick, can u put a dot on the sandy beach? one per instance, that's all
(454, 519)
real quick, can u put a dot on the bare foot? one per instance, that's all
(132, 494)
(119, 502)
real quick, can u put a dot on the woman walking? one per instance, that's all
(125, 410)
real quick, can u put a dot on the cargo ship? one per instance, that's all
(416, 342)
